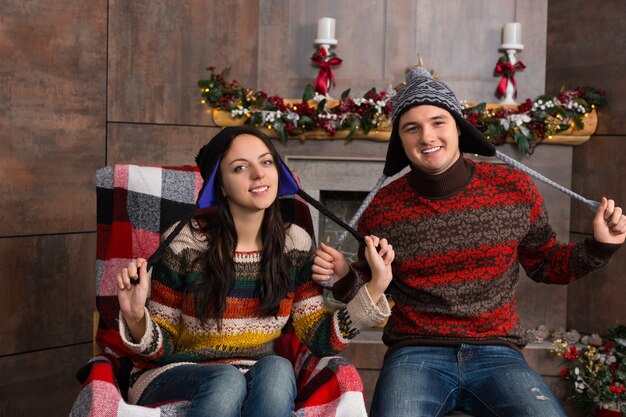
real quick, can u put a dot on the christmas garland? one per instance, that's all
(528, 124)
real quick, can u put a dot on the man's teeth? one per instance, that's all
(431, 150)
(260, 189)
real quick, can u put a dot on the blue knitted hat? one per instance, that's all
(209, 157)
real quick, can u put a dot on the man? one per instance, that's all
(460, 230)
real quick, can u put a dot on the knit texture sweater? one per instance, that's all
(460, 238)
(176, 336)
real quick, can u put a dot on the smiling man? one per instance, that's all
(460, 230)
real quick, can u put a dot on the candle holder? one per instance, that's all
(508, 64)
(324, 57)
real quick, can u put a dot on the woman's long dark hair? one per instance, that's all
(219, 228)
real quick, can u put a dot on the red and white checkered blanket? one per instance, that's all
(135, 204)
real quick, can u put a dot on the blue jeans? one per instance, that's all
(267, 389)
(481, 380)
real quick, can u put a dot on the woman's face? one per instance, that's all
(249, 175)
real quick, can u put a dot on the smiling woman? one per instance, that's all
(249, 181)
(225, 283)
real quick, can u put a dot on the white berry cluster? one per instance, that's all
(271, 116)
(378, 105)
(328, 116)
(239, 111)
(572, 105)
(543, 105)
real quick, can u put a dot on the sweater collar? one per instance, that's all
(443, 185)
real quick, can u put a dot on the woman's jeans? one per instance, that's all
(481, 380)
(267, 389)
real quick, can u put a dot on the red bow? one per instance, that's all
(325, 77)
(507, 71)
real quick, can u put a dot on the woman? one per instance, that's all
(226, 285)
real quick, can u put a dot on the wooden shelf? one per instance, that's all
(571, 137)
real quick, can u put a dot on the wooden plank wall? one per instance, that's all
(52, 130)
(86, 84)
(594, 55)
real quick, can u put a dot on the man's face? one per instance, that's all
(430, 138)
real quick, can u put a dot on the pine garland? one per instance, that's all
(528, 125)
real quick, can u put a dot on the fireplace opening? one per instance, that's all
(343, 204)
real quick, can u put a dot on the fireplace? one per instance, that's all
(339, 183)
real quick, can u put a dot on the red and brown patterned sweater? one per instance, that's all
(459, 239)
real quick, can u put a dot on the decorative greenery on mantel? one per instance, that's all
(570, 118)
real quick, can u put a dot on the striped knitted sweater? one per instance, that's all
(459, 240)
(175, 336)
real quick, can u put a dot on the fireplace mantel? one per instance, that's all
(570, 137)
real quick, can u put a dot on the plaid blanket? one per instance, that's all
(135, 204)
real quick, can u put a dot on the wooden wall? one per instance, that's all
(594, 55)
(87, 84)
(378, 40)
(52, 130)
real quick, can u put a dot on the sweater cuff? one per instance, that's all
(144, 344)
(364, 313)
(601, 250)
(346, 288)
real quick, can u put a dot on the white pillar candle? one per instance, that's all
(512, 33)
(326, 28)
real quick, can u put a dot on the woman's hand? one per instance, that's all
(132, 297)
(380, 265)
(329, 265)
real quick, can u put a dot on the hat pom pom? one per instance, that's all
(417, 72)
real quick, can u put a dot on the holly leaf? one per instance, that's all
(522, 142)
(370, 93)
(345, 94)
(366, 124)
(306, 121)
(256, 119)
(321, 105)
(279, 126)
(215, 93)
(479, 108)
(309, 93)
(354, 126)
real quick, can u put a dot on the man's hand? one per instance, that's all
(609, 224)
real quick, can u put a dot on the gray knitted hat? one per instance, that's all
(422, 89)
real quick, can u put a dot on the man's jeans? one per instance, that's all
(267, 389)
(482, 380)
